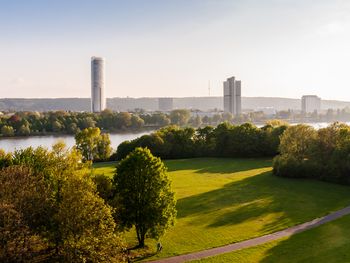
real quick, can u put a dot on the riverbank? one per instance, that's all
(60, 134)
(10, 144)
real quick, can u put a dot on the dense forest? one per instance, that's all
(225, 140)
(62, 122)
(53, 208)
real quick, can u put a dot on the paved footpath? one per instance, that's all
(256, 241)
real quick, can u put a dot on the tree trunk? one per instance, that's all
(142, 241)
(140, 236)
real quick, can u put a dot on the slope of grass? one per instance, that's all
(327, 243)
(221, 201)
(107, 168)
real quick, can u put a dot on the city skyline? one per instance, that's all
(166, 49)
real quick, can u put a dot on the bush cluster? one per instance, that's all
(50, 210)
(54, 209)
(225, 140)
(309, 153)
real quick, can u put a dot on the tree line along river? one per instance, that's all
(13, 143)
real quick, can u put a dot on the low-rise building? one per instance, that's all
(310, 104)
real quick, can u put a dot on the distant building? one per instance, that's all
(98, 101)
(232, 96)
(310, 104)
(165, 104)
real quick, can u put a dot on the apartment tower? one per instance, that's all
(232, 96)
(310, 104)
(98, 101)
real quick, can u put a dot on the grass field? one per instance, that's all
(221, 201)
(328, 243)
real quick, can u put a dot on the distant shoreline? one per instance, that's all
(55, 134)
(152, 129)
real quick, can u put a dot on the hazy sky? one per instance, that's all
(283, 48)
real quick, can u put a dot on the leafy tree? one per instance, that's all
(143, 198)
(204, 141)
(86, 224)
(28, 194)
(73, 128)
(161, 119)
(5, 159)
(206, 120)
(227, 116)
(217, 118)
(57, 126)
(271, 139)
(296, 147)
(124, 149)
(180, 117)
(86, 122)
(136, 122)
(222, 139)
(50, 164)
(196, 121)
(106, 119)
(15, 121)
(276, 123)
(122, 120)
(154, 142)
(16, 238)
(178, 143)
(104, 149)
(93, 145)
(24, 130)
(297, 141)
(7, 130)
(15, 118)
(50, 194)
(331, 152)
(225, 140)
(104, 185)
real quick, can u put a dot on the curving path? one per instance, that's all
(256, 241)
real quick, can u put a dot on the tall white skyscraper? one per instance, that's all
(98, 101)
(232, 96)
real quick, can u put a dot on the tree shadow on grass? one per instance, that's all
(292, 201)
(137, 254)
(218, 165)
(327, 243)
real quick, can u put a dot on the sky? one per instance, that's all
(178, 48)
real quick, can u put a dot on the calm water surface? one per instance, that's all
(11, 144)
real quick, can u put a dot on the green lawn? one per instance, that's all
(221, 201)
(328, 243)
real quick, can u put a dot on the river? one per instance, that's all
(11, 144)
